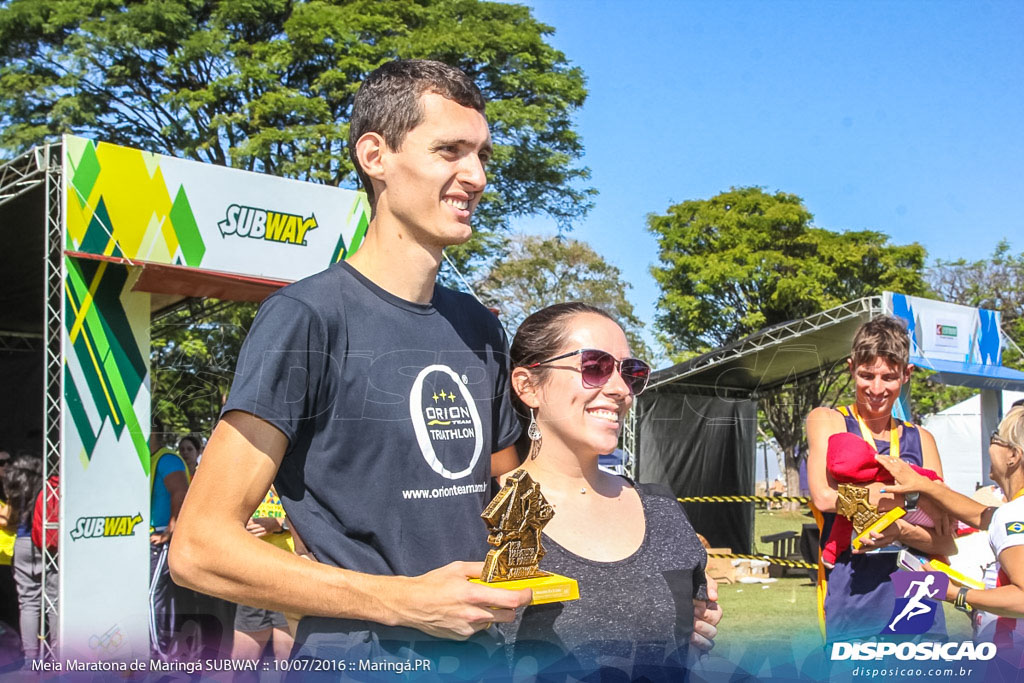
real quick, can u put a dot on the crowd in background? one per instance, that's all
(183, 623)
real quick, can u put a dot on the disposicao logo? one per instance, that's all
(260, 224)
(922, 652)
(914, 612)
(105, 527)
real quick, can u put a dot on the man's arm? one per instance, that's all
(213, 553)
(822, 423)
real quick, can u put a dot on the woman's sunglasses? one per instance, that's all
(596, 368)
(996, 440)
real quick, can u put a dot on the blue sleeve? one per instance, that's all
(281, 365)
(168, 464)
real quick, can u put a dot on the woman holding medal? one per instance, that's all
(855, 597)
(1004, 585)
(638, 562)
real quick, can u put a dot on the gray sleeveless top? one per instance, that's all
(634, 615)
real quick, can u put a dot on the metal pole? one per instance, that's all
(53, 388)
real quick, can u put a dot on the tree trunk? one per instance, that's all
(793, 475)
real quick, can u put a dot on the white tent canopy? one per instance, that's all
(957, 432)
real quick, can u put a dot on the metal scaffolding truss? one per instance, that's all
(12, 342)
(767, 340)
(198, 309)
(776, 336)
(629, 441)
(23, 172)
(48, 158)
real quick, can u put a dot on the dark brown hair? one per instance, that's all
(195, 440)
(882, 337)
(22, 480)
(388, 103)
(539, 337)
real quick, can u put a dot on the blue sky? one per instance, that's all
(900, 117)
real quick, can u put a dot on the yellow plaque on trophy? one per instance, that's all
(515, 518)
(852, 503)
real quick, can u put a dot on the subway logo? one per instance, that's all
(260, 224)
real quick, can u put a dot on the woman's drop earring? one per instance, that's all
(533, 431)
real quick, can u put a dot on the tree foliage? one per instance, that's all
(745, 260)
(533, 272)
(267, 85)
(995, 283)
(192, 363)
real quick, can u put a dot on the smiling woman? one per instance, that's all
(573, 383)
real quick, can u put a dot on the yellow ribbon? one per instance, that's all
(894, 437)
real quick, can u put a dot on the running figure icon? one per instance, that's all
(916, 605)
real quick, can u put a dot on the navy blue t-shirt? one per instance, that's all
(391, 409)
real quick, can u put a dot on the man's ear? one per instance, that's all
(906, 373)
(525, 386)
(370, 148)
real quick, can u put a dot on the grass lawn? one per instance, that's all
(776, 614)
(772, 613)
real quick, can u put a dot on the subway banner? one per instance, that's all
(125, 209)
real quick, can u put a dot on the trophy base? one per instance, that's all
(879, 524)
(547, 588)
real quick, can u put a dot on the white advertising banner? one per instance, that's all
(124, 207)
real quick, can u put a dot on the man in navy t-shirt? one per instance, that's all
(377, 402)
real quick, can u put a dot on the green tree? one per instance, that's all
(533, 272)
(267, 85)
(192, 359)
(745, 260)
(995, 283)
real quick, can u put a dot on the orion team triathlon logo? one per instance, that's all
(261, 224)
(105, 527)
(915, 611)
(445, 419)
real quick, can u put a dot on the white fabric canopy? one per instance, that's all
(957, 432)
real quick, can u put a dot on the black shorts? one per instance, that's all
(252, 619)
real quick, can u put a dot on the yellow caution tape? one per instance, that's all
(767, 558)
(745, 499)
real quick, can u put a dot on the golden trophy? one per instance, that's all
(515, 518)
(853, 503)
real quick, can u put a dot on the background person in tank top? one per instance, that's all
(1004, 590)
(856, 597)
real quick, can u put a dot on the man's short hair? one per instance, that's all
(388, 102)
(882, 337)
